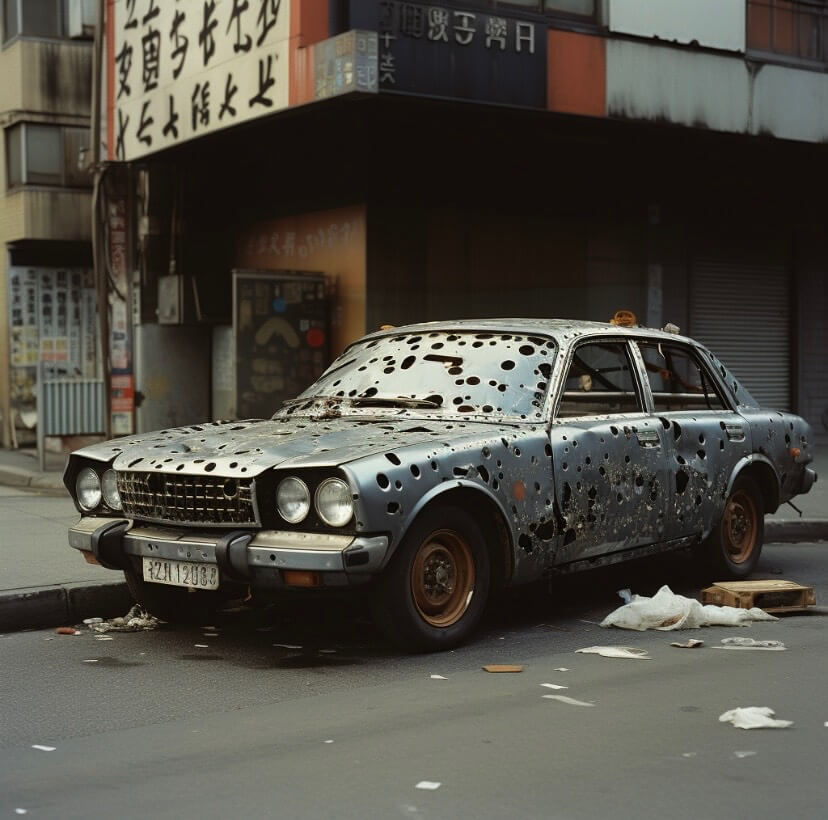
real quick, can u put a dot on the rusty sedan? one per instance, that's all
(435, 463)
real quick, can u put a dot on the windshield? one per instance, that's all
(488, 375)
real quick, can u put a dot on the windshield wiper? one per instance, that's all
(392, 401)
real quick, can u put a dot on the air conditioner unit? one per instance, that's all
(82, 17)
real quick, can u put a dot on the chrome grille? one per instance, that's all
(187, 499)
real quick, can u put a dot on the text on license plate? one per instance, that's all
(181, 573)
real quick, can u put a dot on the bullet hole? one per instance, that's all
(680, 460)
(787, 439)
(526, 350)
(676, 431)
(180, 467)
(472, 380)
(592, 493)
(393, 458)
(507, 365)
(626, 459)
(460, 472)
(569, 537)
(602, 471)
(665, 423)
(382, 481)
(682, 480)
(653, 490)
(545, 370)
(537, 488)
(487, 408)
(455, 371)
(495, 484)
(398, 484)
(498, 462)
(483, 473)
(639, 481)
(566, 496)
(517, 452)
(487, 453)
(136, 461)
(721, 445)
(415, 470)
(434, 466)
(701, 454)
(465, 408)
(435, 399)
(457, 400)
(501, 388)
(701, 438)
(393, 508)
(547, 448)
(574, 442)
(525, 542)
(565, 466)
(588, 460)
(614, 430)
(698, 500)
(407, 362)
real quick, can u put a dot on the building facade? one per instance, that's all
(48, 317)
(562, 158)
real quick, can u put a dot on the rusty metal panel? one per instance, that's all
(710, 23)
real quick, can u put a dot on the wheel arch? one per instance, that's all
(762, 471)
(488, 513)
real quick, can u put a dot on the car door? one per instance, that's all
(705, 436)
(607, 454)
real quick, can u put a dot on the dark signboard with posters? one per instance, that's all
(461, 53)
(280, 330)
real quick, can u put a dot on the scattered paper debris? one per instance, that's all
(503, 667)
(88, 621)
(554, 686)
(430, 785)
(753, 717)
(136, 620)
(201, 646)
(751, 643)
(561, 669)
(91, 660)
(570, 701)
(667, 611)
(287, 645)
(438, 677)
(693, 643)
(43, 748)
(617, 652)
(20, 811)
(745, 753)
(689, 754)
(67, 630)
(211, 634)
(104, 638)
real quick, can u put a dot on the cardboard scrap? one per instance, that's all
(503, 667)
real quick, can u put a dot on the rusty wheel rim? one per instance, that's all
(442, 578)
(740, 526)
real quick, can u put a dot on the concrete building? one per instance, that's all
(462, 159)
(47, 295)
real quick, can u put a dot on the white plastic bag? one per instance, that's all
(666, 611)
(753, 717)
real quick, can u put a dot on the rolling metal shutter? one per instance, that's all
(743, 313)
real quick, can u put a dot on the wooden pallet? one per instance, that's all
(771, 595)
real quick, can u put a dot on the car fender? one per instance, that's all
(748, 461)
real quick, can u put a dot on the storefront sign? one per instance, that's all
(345, 63)
(444, 51)
(178, 70)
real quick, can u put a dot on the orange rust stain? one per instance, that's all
(519, 490)
(576, 73)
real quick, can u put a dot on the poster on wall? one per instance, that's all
(280, 334)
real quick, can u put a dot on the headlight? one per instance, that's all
(88, 488)
(109, 485)
(293, 499)
(333, 502)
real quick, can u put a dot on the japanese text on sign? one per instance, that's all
(183, 69)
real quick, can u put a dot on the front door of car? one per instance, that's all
(704, 437)
(607, 456)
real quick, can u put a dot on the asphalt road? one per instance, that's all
(335, 723)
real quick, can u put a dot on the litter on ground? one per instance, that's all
(438, 677)
(67, 630)
(43, 748)
(750, 643)
(570, 701)
(560, 669)
(666, 611)
(136, 620)
(745, 753)
(693, 643)
(554, 686)
(617, 652)
(503, 667)
(753, 717)
(429, 785)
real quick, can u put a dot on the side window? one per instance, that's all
(678, 379)
(599, 381)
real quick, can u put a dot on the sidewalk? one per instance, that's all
(61, 589)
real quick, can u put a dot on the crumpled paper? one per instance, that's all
(136, 620)
(753, 717)
(666, 611)
(751, 643)
(634, 652)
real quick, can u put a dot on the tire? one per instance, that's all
(434, 591)
(171, 604)
(733, 548)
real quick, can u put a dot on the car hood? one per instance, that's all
(248, 448)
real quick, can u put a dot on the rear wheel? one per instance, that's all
(434, 591)
(734, 546)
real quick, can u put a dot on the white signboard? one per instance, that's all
(179, 69)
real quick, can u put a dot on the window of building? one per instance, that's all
(791, 28)
(38, 154)
(41, 18)
(678, 380)
(599, 382)
(581, 8)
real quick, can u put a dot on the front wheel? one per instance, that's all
(734, 546)
(434, 591)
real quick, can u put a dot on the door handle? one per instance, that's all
(735, 432)
(647, 438)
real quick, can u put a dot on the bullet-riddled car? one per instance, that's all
(433, 463)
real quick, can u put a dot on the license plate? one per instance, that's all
(181, 573)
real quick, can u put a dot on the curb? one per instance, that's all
(791, 532)
(19, 477)
(61, 604)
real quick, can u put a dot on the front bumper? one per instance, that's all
(241, 555)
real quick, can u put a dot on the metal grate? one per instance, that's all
(187, 499)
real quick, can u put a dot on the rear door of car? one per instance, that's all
(705, 437)
(608, 453)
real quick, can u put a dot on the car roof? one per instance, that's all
(563, 330)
